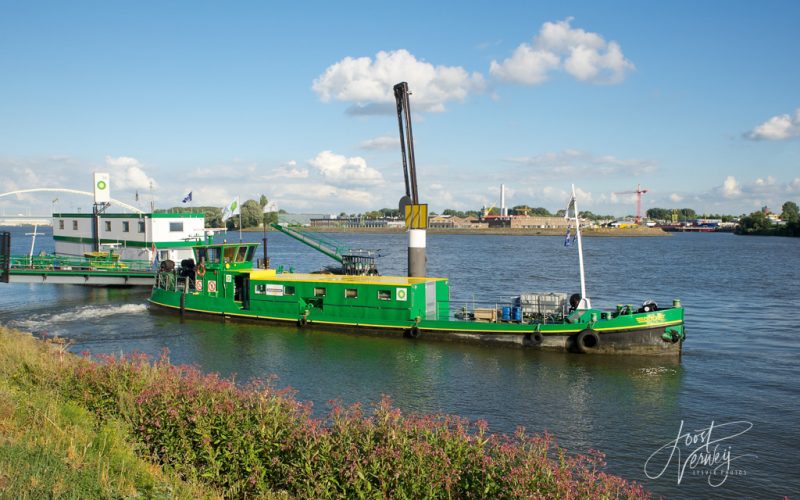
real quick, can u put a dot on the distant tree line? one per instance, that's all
(757, 223)
(252, 214)
(524, 210)
(684, 214)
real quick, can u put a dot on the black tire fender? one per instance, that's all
(534, 338)
(302, 321)
(587, 341)
(413, 332)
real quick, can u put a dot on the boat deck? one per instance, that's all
(271, 275)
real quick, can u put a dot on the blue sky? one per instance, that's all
(696, 101)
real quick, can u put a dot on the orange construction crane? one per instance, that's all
(639, 192)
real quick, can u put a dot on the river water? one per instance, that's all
(738, 375)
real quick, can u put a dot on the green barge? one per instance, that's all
(226, 283)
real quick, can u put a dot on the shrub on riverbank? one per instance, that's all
(51, 446)
(256, 440)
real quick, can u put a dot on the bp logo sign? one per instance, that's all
(401, 294)
(101, 185)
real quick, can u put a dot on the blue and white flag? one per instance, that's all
(187, 198)
(567, 241)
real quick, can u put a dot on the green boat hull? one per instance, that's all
(655, 333)
(226, 284)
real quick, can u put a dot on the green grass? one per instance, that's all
(51, 446)
(130, 426)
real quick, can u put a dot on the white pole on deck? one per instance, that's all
(33, 242)
(585, 302)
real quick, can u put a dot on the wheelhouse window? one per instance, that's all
(176, 227)
(230, 254)
(351, 293)
(241, 255)
(141, 226)
(319, 292)
(74, 225)
(384, 295)
(210, 254)
(126, 226)
(108, 225)
(61, 224)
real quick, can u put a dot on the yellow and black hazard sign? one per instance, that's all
(417, 216)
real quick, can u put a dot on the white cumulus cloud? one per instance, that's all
(777, 128)
(382, 142)
(675, 198)
(731, 188)
(128, 173)
(339, 169)
(575, 163)
(368, 82)
(583, 55)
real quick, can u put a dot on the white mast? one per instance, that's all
(585, 302)
(33, 242)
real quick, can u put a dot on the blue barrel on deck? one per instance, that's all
(516, 313)
(506, 316)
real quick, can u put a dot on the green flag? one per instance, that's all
(231, 210)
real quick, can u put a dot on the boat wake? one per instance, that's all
(86, 314)
(654, 371)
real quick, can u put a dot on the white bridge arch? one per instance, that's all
(73, 191)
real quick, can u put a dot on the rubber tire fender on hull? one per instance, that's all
(587, 341)
(412, 332)
(533, 339)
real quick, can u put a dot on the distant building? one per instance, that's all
(300, 219)
(355, 222)
(527, 222)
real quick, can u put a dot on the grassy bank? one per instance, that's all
(53, 446)
(94, 428)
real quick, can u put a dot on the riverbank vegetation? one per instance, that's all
(105, 424)
(53, 446)
(760, 223)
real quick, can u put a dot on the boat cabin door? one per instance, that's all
(241, 290)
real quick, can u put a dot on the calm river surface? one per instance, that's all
(739, 371)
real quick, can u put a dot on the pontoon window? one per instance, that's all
(176, 227)
(108, 225)
(61, 224)
(141, 226)
(126, 226)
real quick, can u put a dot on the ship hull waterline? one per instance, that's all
(647, 338)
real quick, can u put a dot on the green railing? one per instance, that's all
(66, 263)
